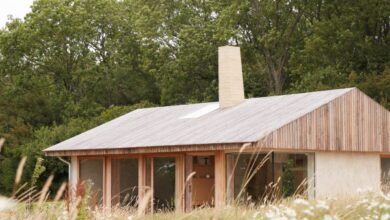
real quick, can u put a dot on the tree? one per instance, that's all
(270, 28)
(347, 45)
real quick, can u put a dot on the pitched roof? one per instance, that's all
(197, 124)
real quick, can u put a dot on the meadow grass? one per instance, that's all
(361, 206)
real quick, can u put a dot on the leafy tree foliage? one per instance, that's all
(73, 64)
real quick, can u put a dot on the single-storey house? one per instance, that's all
(185, 156)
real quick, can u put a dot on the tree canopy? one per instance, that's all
(70, 65)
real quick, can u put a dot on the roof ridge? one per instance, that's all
(252, 98)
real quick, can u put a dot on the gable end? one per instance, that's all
(352, 122)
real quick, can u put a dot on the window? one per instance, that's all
(385, 175)
(164, 183)
(251, 176)
(291, 172)
(260, 177)
(124, 185)
(91, 175)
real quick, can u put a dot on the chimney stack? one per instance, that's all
(231, 85)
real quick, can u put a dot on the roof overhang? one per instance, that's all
(154, 149)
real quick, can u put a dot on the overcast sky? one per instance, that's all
(16, 8)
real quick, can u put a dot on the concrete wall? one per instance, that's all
(342, 174)
(311, 175)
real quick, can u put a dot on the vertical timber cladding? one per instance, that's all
(220, 178)
(180, 183)
(188, 184)
(352, 122)
(107, 182)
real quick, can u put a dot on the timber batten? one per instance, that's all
(220, 179)
(180, 183)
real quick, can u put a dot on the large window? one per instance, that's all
(254, 177)
(250, 176)
(290, 171)
(164, 184)
(385, 175)
(124, 185)
(91, 175)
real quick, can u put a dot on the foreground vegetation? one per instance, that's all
(364, 206)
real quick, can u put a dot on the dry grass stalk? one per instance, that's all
(242, 149)
(60, 191)
(189, 177)
(144, 202)
(21, 188)
(2, 140)
(73, 211)
(19, 173)
(302, 188)
(45, 189)
(26, 194)
(252, 169)
(272, 192)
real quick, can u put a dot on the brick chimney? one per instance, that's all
(231, 85)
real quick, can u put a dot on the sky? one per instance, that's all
(16, 8)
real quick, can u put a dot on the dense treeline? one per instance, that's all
(73, 64)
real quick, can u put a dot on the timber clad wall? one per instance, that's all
(352, 122)
(180, 183)
(220, 179)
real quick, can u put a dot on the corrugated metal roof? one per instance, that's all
(177, 125)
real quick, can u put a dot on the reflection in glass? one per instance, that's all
(385, 175)
(255, 177)
(91, 174)
(164, 184)
(124, 186)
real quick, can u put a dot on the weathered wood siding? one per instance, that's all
(352, 122)
(220, 179)
(180, 183)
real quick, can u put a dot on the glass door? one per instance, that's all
(161, 176)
